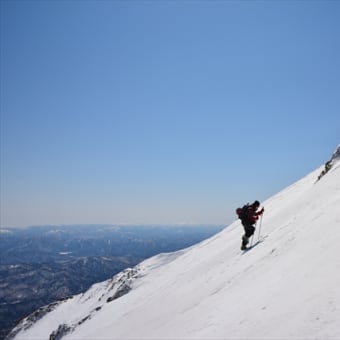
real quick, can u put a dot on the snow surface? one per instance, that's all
(285, 287)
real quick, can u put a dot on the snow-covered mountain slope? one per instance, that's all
(285, 287)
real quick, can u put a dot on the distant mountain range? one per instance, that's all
(39, 265)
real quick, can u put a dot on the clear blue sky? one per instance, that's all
(162, 111)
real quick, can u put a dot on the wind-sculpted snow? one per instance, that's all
(285, 287)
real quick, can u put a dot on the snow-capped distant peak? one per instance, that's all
(5, 231)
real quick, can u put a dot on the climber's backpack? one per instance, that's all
(242, 212)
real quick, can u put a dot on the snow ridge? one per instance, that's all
(329, 164)
(93, 301)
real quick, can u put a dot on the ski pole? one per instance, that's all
(251, 242)
(258, 239)
(252, 238)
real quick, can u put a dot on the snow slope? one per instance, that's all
(286, 287)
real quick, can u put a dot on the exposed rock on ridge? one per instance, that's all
(329, 164)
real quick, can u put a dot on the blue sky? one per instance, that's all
(162, 111)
